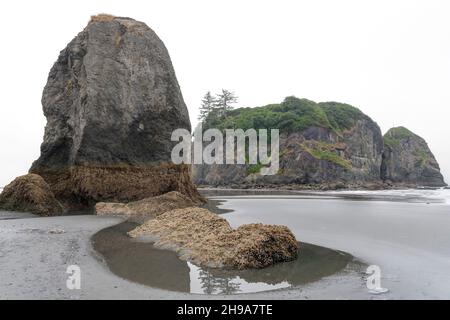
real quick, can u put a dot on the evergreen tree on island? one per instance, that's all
(208, 105)
(224, 102)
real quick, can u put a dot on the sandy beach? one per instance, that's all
(409, 241)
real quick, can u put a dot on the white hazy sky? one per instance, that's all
(389, 58)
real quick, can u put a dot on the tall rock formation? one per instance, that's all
(112, 101)
(408, 159)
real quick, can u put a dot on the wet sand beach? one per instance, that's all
(405, 233)
(34, 263)
(408, 240)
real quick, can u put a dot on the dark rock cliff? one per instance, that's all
(408, 159)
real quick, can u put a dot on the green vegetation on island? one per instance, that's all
(292, 115)
(395, 135)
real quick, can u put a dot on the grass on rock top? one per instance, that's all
(293, 114)
(393, 137)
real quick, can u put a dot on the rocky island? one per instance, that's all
(326, 145)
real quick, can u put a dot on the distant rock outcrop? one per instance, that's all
(408, 159)
(30, 193)
(112, 101)
(207, 239)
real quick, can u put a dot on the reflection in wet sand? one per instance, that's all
(142, 263)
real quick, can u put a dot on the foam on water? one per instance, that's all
(408, 195)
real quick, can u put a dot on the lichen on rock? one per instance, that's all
(207, 239)
(30, 193)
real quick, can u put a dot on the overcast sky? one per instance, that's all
(391, 59)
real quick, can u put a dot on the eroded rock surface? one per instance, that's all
(30, 193)
(207, 239)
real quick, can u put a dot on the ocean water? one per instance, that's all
(410, 195)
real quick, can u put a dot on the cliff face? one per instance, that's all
(112, 101)
(320, 143)
(408, 159)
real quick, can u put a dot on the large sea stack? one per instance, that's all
(112, 101)
(407, 159)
